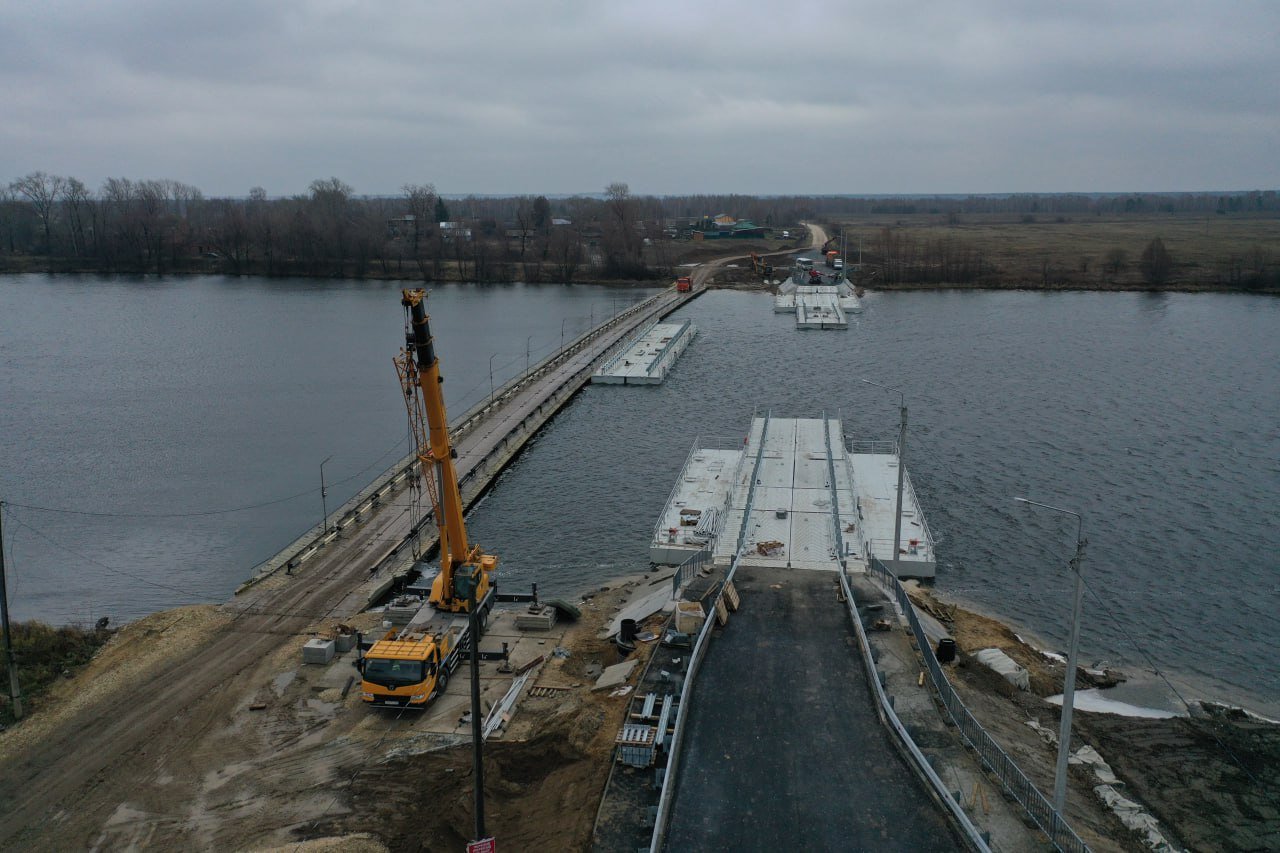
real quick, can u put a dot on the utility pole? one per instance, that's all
(477, 736)
(324, 504)
(1069, 681)
(15, 693)
(491, 378)
(902, 467)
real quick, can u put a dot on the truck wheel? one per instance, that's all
(442, 681)
(484, 620)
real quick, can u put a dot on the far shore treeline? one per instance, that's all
(1227, 241)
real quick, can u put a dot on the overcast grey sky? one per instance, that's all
(785, 96)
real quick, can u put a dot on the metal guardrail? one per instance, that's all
(695, 662)
(675, 339)
(835, 497)
(993, 758)
(685, 570)
(909, 496)
(309, 542)
(890, 447)
(889, 717)
(884, 706)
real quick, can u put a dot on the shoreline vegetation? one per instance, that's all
(1220, 242)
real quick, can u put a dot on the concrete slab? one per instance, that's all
(650, 602)
(616, 675)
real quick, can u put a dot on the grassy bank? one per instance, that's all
(1100, 252)
(44, 654)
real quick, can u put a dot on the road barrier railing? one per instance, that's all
(311, 541)
(992, 756)
(699, 652)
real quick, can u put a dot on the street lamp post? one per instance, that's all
(491, 378)
(562, 319)
(1069, 681)
(477, 735)
(15, 692)
(902, 467)
(528, 342)
(324, 505)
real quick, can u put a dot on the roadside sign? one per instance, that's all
(484, 845)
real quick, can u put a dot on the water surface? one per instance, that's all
(1155, 416)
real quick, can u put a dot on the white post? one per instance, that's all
(902, 468)
(1069, 680)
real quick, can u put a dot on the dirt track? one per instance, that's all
(61, 789)
(273, 754)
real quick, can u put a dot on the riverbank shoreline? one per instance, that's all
(1207, 774)
(726, 278)
(1225, 762)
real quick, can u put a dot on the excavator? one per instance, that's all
(409, 667)
(761, 266)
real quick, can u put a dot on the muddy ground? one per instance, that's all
(288, 757)
(1212, 778)
(543, 782)
(287, 762)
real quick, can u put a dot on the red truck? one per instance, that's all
(684, 284)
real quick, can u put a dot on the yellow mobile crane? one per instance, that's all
(407, 668)
(462, 566)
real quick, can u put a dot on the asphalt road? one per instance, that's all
(784, 750)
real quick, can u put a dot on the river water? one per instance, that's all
(1155, 416)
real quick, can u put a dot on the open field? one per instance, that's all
(1206, 251)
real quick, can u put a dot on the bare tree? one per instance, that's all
(330, 200)
(1116, 260)
(524, 222)
(622, 243)
(565, 252)
(42, 191)
(76, 199)
(1156, 264)
(231, 234)
(9, 214)
(422, 204)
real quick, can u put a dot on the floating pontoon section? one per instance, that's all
(805, 499)
(696, 508)
(649, 356)
(818, 306)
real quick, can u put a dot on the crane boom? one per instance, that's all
(465, 570)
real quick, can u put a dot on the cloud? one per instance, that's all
(671, 97)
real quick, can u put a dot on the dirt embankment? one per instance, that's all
(542, 783)
(291, 758)
(1212, 778)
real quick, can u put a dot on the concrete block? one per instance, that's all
(402, 613)
(318, 651)
(689, 617)
(543, 619)
(344, 642)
